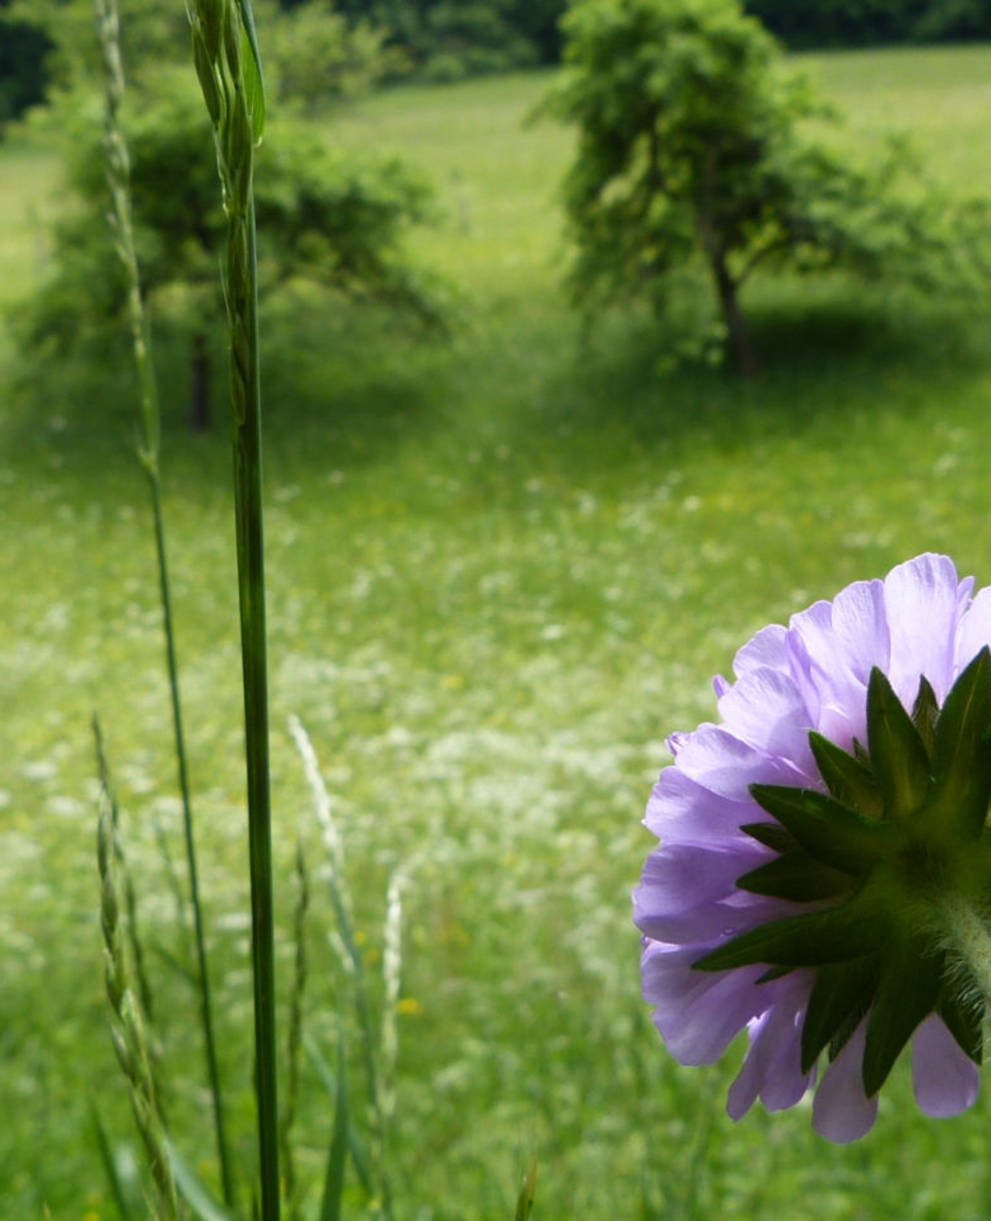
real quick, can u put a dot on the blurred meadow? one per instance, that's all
(503, 565)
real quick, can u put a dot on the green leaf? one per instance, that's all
(964, 1018)
(897, 752)
(849, 930)
(961, 753)
(908, 992)
(797, 876)
(840, 997)
(254, 84)
(528, 1189)
(925, 713)
(333, 1183)
(204, 1206)
(831, 831)
(108, 1163)
(847, 777)
(359, 1155)
(771, 835)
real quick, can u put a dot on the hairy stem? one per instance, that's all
(969, 939)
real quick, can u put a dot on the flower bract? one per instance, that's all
(813, 846)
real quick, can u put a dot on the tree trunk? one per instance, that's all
(746, 360)
(199, 384)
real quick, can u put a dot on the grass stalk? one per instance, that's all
(295, 1035)
(353, 960)
(231, 85)
(127, 1027)
(118, 177)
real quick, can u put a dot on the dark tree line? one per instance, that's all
(449, 39)
(22, 78)
(823, 23)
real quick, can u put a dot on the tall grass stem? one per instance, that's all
(118, 177)
(225, 55)
(353, 960)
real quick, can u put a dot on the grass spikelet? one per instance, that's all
(127, 1028)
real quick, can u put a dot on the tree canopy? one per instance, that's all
(696, 162)
(328, 219)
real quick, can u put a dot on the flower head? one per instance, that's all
(817, 847)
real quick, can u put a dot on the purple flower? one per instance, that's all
(806, 841)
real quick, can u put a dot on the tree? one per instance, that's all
(314, 56)
(817, 23)
(326, 218)
(695, 153)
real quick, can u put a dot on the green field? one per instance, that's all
(503, 567)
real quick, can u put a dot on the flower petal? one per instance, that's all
(765, 709)
(974, 631)
(719, 761)
(945, 1078)
(921, 598)
(681, 809)
(772, 1069)
(860, 629)
(841, 1111)
(698, 1013)
(766, 649)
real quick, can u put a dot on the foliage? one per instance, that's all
(327, 218)
(154, 31)
(856, 22)
(696, 159)
(22, 49)
(445, 40)
(313, 55)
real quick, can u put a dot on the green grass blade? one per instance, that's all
(294, 1040)
(359, 1157)
(109, 1165)
(528, 1189)
(203, 1205)
(333, 1184)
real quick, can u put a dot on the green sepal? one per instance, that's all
(925, 713)
(908, 992)
(840, 997)
(964, 1019)
(848, 778)
(773, 973)
(961, 764)
(797, 876)
(845, 1030)
(848, 930)
(831, 831)
(898, 754)
(771, 835)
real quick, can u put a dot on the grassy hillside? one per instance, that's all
(503, 568)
